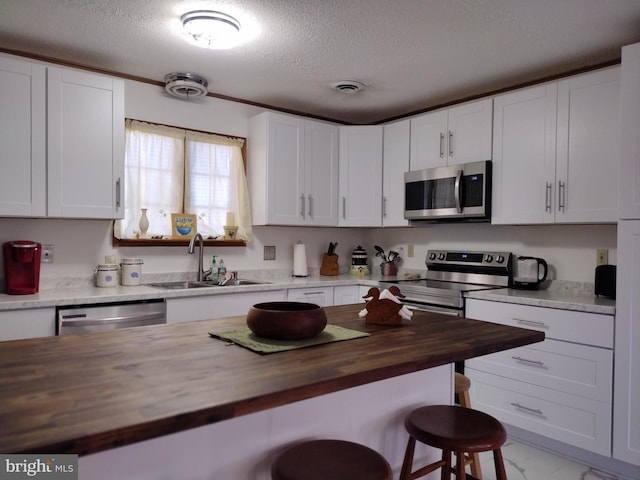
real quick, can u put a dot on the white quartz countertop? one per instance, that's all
(561, 299)
(84, 295)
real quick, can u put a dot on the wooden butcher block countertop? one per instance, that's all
(91, 392)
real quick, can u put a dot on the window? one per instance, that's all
(171, 170)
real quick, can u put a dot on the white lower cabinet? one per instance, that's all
(206, 307)
(346, 294)
(322, 296)
(29, 323)
(560, 388)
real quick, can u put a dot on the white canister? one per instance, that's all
(131, 273)
(106, 275)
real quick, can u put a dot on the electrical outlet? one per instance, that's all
(269, 252)
(410, 250)
(602, 256)
(46, 254)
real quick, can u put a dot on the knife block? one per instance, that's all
(329, 265)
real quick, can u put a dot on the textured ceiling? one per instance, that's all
(410, 54)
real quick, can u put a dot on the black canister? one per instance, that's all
(359, 261)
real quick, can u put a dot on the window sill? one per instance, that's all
(169, 242)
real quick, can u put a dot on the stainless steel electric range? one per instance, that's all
(450, 275)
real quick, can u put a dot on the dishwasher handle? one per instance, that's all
(81, 320)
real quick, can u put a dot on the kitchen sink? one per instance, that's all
(204, 284)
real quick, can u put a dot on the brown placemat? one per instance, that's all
(246, 338)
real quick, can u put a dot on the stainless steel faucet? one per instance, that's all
(202, 274)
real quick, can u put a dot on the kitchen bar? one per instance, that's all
(93, 392)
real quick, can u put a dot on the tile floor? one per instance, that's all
(523, 462)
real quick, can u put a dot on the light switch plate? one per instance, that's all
(602, 256)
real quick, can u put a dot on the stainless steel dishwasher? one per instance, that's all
(109, 316)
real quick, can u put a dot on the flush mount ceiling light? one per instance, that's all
(185, 85)
(210, 29)
(347, 86)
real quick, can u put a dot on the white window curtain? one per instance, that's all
(205, 178)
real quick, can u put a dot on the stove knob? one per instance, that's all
(488, 258)
(500, 259)
(432, 256)
(441, 256)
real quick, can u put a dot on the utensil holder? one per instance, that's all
(388, 269)
(329, 265)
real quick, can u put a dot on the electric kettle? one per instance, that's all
(528, 273)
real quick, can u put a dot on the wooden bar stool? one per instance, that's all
(453, 429)
(330, 460)
(462, 384)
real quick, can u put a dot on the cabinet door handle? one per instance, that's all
(526, 360)
(302, 205)
(441, 145)
(310, 207)
(561, 195)
(344, 208)
(528, 409)
(118, 193)
(547, 205)
(384, 207)
(536, 323)
(450, 143)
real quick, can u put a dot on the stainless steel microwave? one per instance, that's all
(451, 193)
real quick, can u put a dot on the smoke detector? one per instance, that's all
(185, 85)
(348, 86)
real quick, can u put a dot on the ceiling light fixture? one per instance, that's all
(211, 29)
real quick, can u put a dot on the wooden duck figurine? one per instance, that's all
(385, 308)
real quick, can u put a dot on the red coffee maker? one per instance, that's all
(21, 266)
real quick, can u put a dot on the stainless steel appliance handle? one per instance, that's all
(310, 207)
(457, 187)
(450, 143)
(81, 320)
(441, 145)
(302, 205)
(528, 409)
(561, 195)
(547, 205)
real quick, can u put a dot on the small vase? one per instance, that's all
(143, 223)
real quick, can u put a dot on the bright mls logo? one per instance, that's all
(50, 467)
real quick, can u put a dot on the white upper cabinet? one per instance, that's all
(555, 151)
(460, 134)
(85, 145)
(629, 199)
(360, 177)
(22, 138)
(62, 134)
(293, 170)
(395, 161)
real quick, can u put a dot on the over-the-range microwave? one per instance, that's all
(452, 193)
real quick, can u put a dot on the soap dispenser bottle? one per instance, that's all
(222, 271)
(214, 269)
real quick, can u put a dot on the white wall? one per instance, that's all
(81, 244)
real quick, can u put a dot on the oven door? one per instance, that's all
(422, 306)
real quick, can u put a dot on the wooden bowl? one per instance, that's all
(286, 320)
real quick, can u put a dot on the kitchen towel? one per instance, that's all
(299, 260)
(246, 338)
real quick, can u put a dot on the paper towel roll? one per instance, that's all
(299, 260)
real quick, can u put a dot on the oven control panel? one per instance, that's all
(443, 258)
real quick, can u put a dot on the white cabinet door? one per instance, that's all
(395, 162)
(524, 149)
(626, 411)
(428, 140)
(85, 144)
(322, 296)
(469, 137)
(206, 307)
(293, 170)
(321, 174)
(346, 295)
(22, 138)
(630, 133)
(29, 323)
(588, 142)
(460, 134)
(360, 176)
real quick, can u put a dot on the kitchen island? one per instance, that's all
(169, 388)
